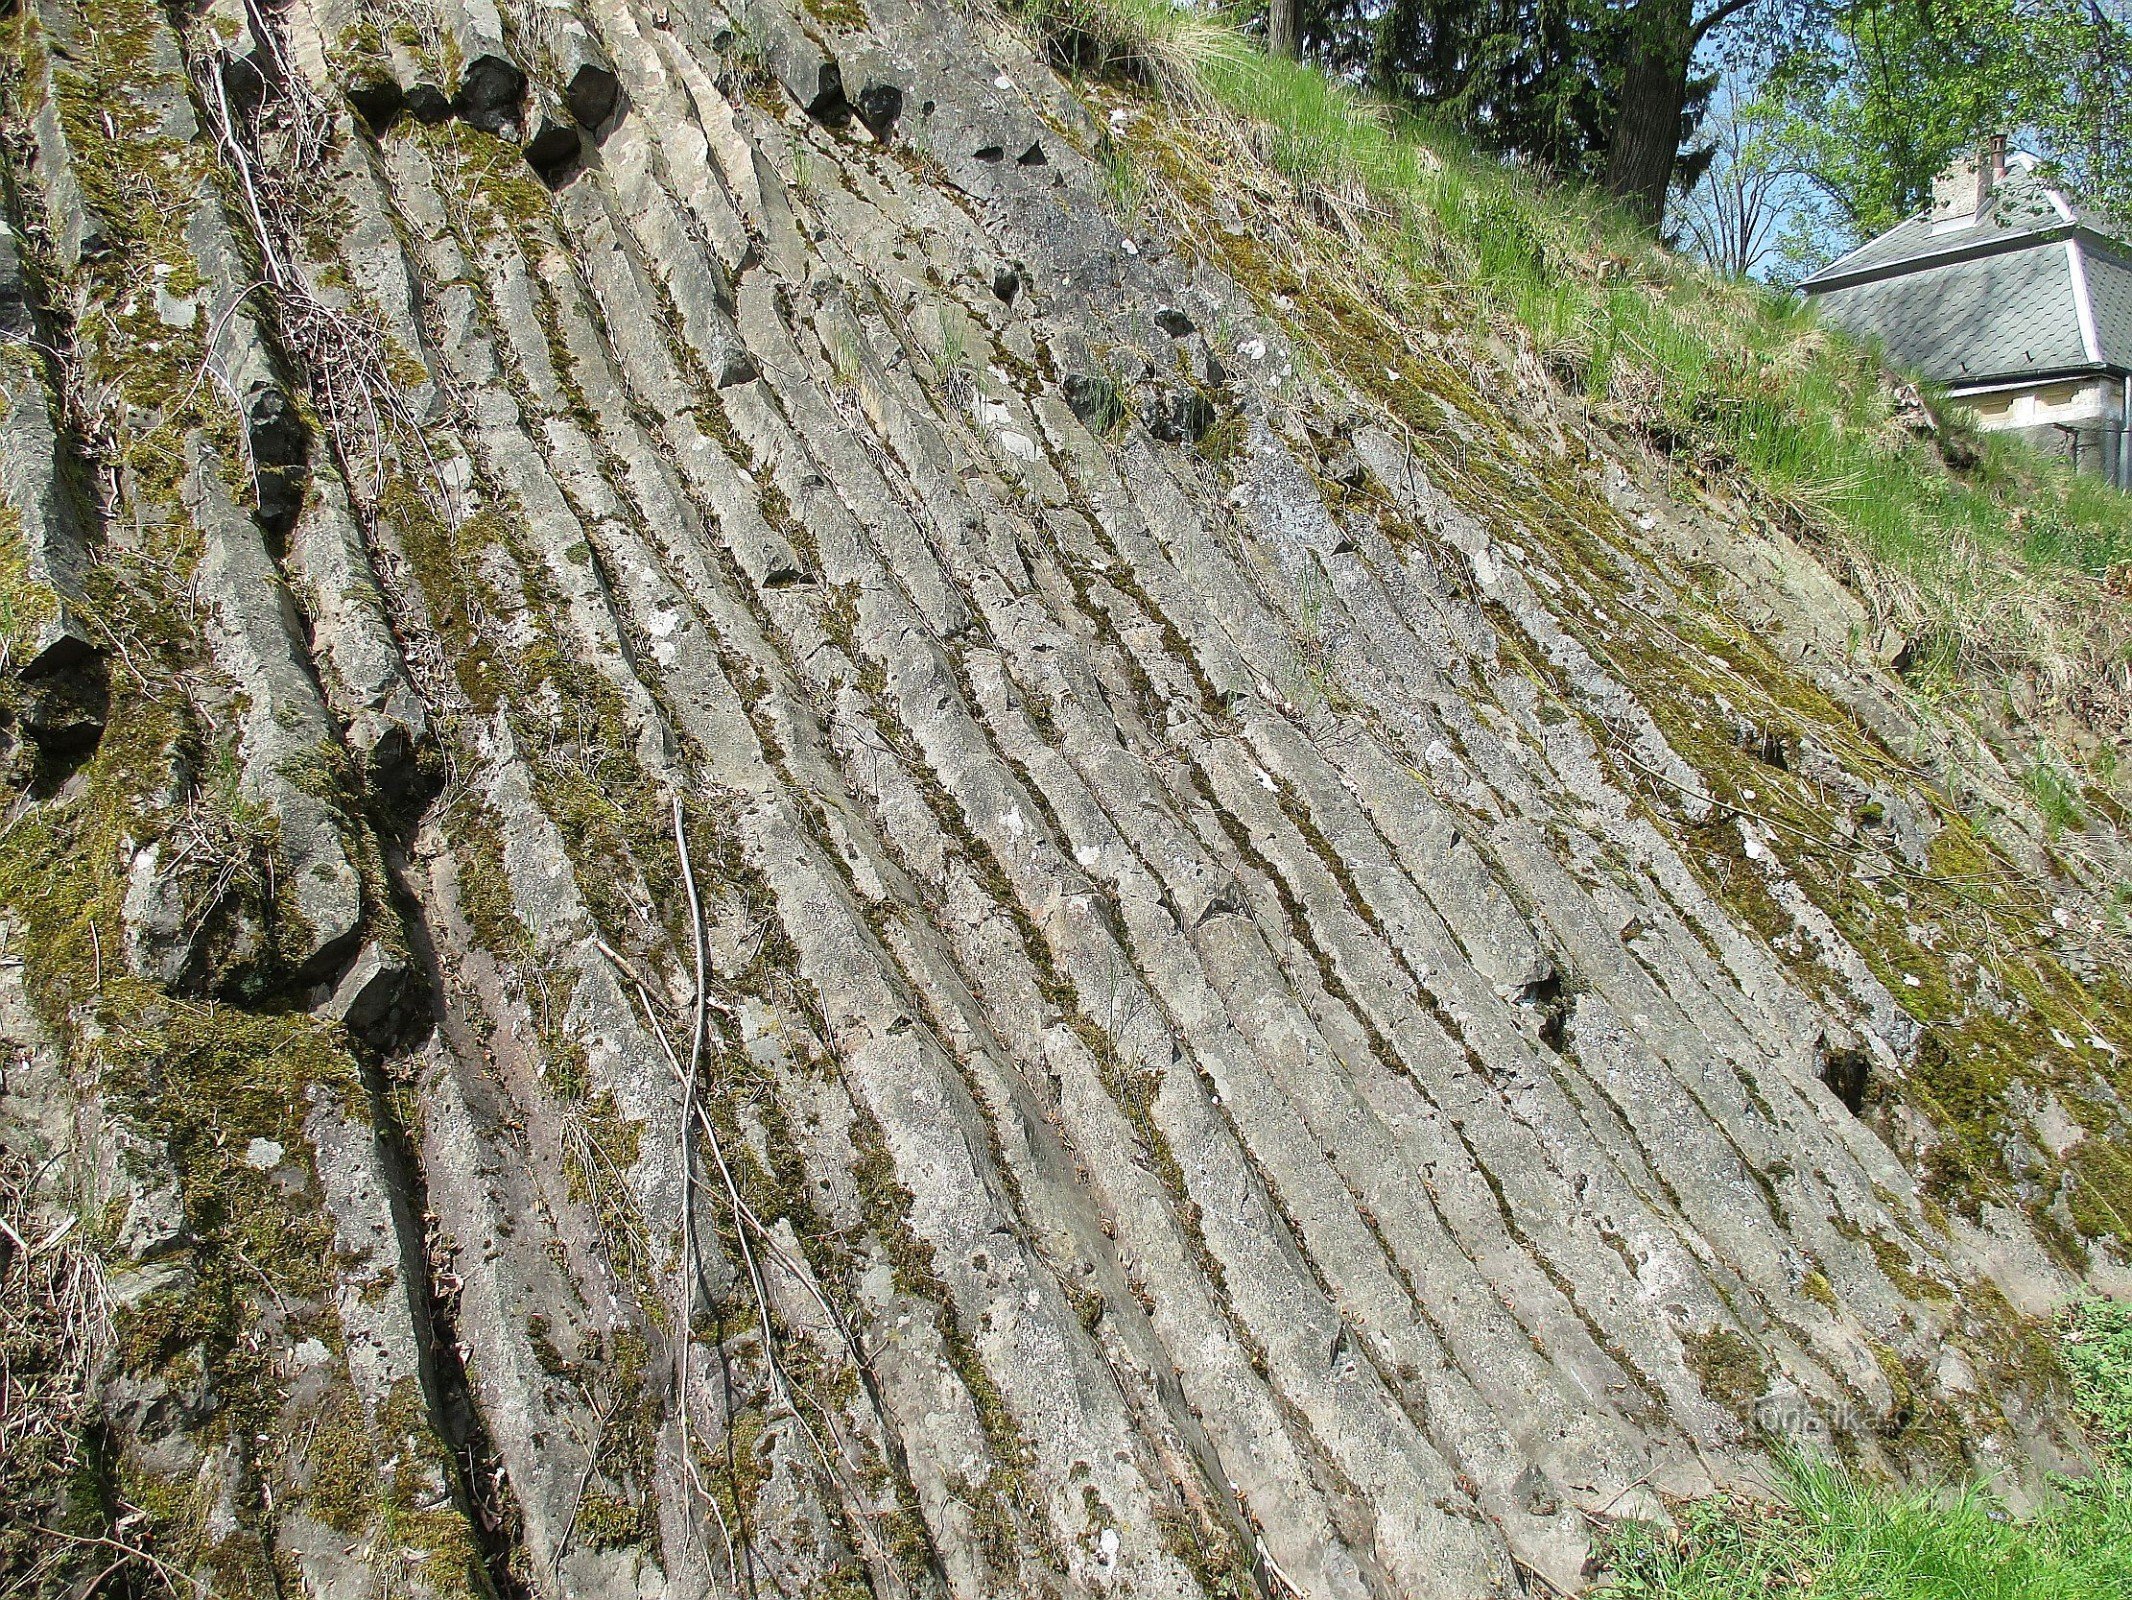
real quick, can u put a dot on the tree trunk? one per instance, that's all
(1282, 36)
(1654, 89)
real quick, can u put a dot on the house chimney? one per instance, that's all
(1991, 169)
(1966, 187)
(1955, 191)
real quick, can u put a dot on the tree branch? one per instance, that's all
(1700, 29)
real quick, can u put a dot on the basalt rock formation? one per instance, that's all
(756, 848)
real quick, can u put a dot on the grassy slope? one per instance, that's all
(1830, 1534)
(2007, 577)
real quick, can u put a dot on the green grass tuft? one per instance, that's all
(2056, 794)
(2097, 1346)
(1831, 1533)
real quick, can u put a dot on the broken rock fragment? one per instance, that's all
(490, 85)
(580, 68)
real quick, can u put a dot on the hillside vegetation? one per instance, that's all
(1997, 578)
(1829, 1533)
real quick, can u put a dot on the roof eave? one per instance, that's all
(1976, 383)
(1999, 245)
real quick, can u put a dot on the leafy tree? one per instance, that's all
(1858, 112)
(1282, 34)
(1878, 104)
(1869, 99)
(2081, 106)
(1881, 94)
(1544, 80)
(1536, 79)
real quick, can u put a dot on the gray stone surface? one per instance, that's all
(17, 317)
(1227, 1062)
(244, 366)
(795, 52)
(49, 520)
(382, 716)
(487, 84)
(551, 134)
(576, 63)
(285, 736)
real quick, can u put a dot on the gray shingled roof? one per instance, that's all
(2110, 293)
(2020, 210)
(2000, 316)
(1992, 302)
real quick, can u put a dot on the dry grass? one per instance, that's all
(55, 1327)
(1171, 49)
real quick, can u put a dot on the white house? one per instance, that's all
(2015, 298)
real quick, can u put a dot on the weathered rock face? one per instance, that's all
(805, 874)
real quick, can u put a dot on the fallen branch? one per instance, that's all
(170, 1575)
(749, 1229)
